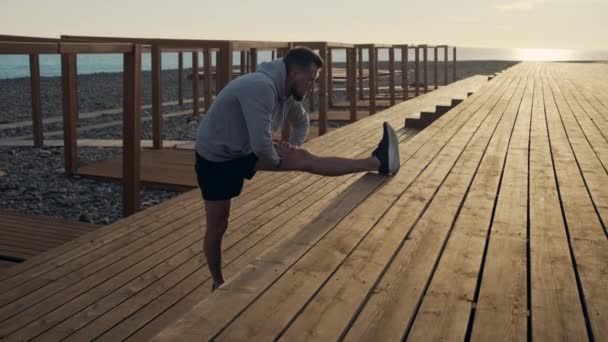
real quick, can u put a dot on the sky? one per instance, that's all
(548, 24)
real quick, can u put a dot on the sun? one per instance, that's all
(544, 54)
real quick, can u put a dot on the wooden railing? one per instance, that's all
(132, 48)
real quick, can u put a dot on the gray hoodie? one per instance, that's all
(246, 112)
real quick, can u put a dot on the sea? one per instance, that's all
(17, 66)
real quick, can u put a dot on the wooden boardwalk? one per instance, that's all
(23, 236)
(493, 229)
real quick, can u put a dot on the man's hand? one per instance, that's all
(292, 157)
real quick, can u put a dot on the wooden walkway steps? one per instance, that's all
(24, 236)
(172, 168)
(495, 228)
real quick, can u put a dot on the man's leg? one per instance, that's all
(299, 159)
(217, 213)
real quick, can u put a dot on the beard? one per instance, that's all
(294, 93)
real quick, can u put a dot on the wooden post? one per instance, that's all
(330, 77)
(242, 64)
(218, 65)
(360, 68)
(426, 69)
(273, 55)
(417, 71)
(377, 70)
(180, 78)
(70, 111)
(323, 93)
(391, 74)
(248, 61)
(454, 69)
(351, 81)
(435, 77)
(196, 105)
(254, 59)
(207, 78)
(131, 131)
(404, 79)
(372, 80)
(225, 71)
(157, 98)
(445, 66)
(36, 101)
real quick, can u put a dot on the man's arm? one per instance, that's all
(298, 117)
(257, 105)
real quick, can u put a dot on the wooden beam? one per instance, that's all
(360, 68)
(243, 62)
(17, 48)
(261, 45)
(323, 93)
(254, 59)
(454, 69)
(11, 38)
(131, 131)
(417, 71)
(426, 69)
(391, 76)
(273, 55)
(330, 77)
(377, 70)
(180, 78)
(435, 76)
(207, 79)
(218, 63)
(195, 86)
(372, 79)
(225, 72)
(36, 100)
(404, 76)
(70, 111)
(95, 48)
(351, 75)
(157, 98)
(445, 66)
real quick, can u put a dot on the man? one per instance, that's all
(234, 140)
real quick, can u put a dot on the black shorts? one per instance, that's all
(223, 180)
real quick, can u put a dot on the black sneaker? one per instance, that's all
(387, 151)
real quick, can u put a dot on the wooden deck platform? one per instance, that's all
(24, 236)
(493, 229)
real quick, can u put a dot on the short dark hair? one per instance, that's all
(303, 57)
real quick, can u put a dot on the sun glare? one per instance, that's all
(544, 54)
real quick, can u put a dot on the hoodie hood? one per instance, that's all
(277, 71)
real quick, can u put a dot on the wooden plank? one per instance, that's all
(446, 307)
(417, 70)
(207, 79)
(436, 69)
(360, 71)
(391, 80)
(36, 100)
(425, 71)
(588, 243)
(553, 285)
(157, 98)
(70, 112)
(445, 65)
(198, 318)
(180, 78)
(195, 87)
(322, 95)
(404, 72)
(113, 316)
(132, 126)
(389, 311)
(454, 64)
(74, 48)
(352, 83)
(585, 153)
(22, 48)
(330, 77)
(372, 82)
